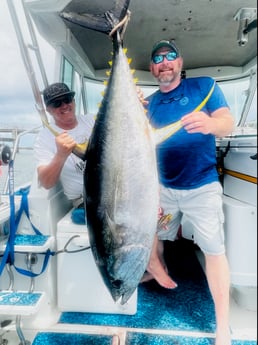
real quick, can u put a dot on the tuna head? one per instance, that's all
(122, 269)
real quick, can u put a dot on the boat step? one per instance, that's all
(20, 302)
(31, 243)
(51, 338)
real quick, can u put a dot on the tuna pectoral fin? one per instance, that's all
(161, 134)
(164, 133)
(99, 22)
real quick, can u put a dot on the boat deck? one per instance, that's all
(180, 317)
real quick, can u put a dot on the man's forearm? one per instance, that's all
(224, 123)
(49, 175)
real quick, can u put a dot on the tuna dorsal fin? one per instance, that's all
(99, 22)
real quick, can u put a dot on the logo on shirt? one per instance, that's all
(184, 100)
(80, 166)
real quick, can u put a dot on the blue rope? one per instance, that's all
(12, 213)
(24, 207)
(45, 263)
(8, 256)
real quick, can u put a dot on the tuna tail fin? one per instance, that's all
(99, 22)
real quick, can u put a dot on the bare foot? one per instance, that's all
(161, 276)
(223, 337)
(158, 270)
(115, 340)
(146, 277)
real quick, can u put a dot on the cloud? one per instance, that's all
(16, 96)
(11, 67)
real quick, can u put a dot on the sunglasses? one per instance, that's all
(58, 102)
(170, 56)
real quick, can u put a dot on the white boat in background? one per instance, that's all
(53, 272)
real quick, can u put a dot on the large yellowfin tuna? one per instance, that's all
(121, 183)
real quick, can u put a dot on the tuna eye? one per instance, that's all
(117, 284)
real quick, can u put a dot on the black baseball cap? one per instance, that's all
(164, 43)
(56, 90)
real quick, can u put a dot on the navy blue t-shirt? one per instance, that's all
(185, 161)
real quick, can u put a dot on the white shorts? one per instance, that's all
(203, 208)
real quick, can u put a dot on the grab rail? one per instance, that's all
(15, 150)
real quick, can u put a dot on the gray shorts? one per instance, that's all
(203, 208)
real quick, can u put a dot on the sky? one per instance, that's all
(17, 105)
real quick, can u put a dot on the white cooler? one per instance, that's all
(79, 284)
(241, 241)
(240, 208)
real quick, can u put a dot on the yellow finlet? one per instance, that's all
(202, 104)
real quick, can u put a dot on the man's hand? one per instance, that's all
(219, 123)
(65, 144)
(163, 219)
(198, 122)
(141, 96)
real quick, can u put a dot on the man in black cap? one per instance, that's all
(55, 160)
(189, 183)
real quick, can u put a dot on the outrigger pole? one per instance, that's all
(26, 58)
(80, 149)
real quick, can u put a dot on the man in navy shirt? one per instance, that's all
(189, 183)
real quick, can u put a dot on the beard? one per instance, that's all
(166, 79)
